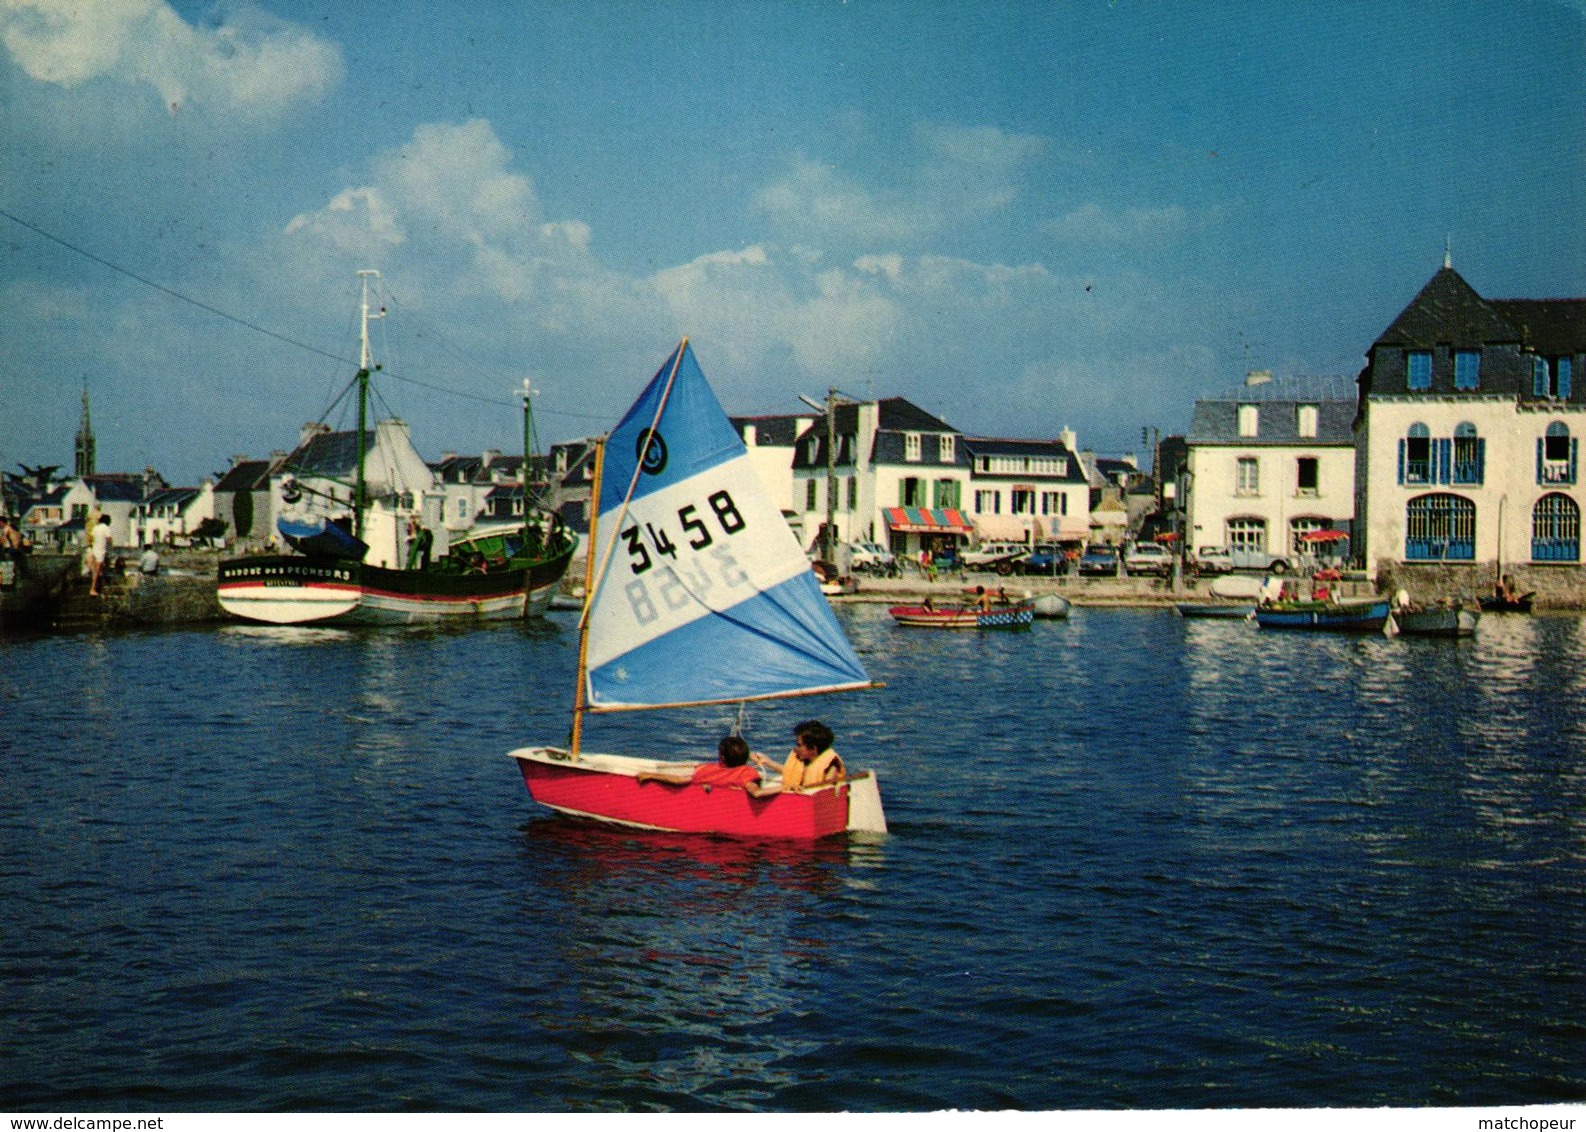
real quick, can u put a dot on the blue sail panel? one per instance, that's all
(765, 646)
(692, 434)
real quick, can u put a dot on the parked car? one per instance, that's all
(1240, 558)
(871, 558)
(998, 556)
(1149, 558)
(1044, 558)
(1099, 560)
(1213, 560)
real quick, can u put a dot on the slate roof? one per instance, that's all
(977, 446)
(774, 431)
(247, 475)
(1448, 310)
(1217, 422)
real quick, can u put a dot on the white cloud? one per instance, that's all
(1132, 227)
(254, 66)
(963, 173)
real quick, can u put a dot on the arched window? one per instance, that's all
(1415, 455)
(1555, 529)
(1440, 528)
(1555, 455)
(1470, 455)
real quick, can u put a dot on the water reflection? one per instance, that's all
(686, 957)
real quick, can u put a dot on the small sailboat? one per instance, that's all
(697, 594)
(367, 551)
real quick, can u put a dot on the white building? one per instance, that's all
(1267, 466)
(1467, 435)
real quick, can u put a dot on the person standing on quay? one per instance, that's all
(98, 554)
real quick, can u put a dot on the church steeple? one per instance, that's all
(85, 441)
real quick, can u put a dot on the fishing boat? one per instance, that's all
(1334, 616)
(697, 595)
(1443, 619)
(971, 614)
(366, 551)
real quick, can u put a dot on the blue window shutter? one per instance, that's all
(1574, 443)
(1564, 367)
(1401, 459)
(1481, 459)
(1539, 377)
(1445, 459)
(1539, 478)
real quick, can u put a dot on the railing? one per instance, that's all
(1555, 550)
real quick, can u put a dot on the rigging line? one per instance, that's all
(203, 306)
(266, 331)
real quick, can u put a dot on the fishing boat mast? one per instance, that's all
(361, 487)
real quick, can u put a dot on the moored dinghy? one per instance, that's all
(698, 594)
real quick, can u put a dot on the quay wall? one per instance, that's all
(185, 593)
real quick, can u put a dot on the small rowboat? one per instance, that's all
(1234, 610)
(962, 617)
(1451, 620)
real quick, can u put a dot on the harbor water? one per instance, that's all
(1135, 862)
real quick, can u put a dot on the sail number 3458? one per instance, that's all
(676, 589)
(696, 532)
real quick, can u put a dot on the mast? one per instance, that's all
(528, 452)
(361, 487)
(580, 692)
(829, 535)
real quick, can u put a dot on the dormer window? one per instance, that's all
(1305, 417)
(944, 448)
(911, 447)
(1418, 370)
(1249, 420)
(1467, 369)
(1551, 377)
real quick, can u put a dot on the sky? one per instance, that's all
(1021, 216)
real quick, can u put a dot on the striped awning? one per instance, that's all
(928, 520)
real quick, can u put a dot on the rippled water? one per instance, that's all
(1135, 862)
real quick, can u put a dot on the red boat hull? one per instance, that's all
(603, 787)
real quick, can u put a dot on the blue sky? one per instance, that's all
(1021, 216)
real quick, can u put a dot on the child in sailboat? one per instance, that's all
(731, 768)
(812, 762)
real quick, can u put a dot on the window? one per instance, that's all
(1418, 370)
(1552, 377)
(1247, 534)
(1054, 503)
(1555, 455)
(988, 502)
(1415, 455)
(1306, 475)
(1555, 529)
(809, 495)
(1305, 417)
(911, 492)
(1467, 369)
(944, 449)
(1249, 482)
(1023, 501)
(1440, 528)
(1249, 420)
(911, 447)
(1470, 455)
(853, 494)
(947, 493)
